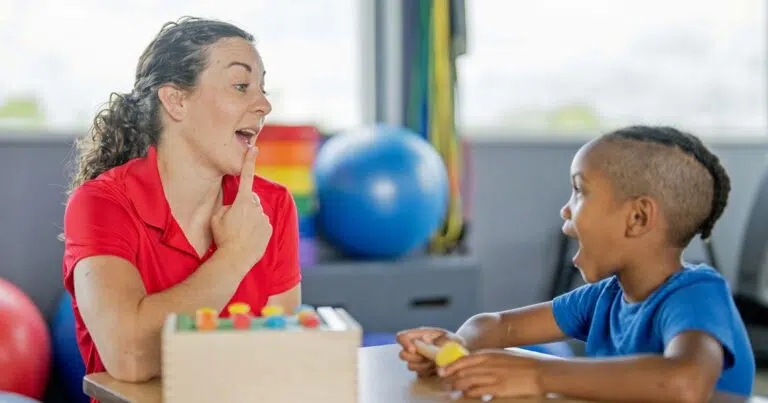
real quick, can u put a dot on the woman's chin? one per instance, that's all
(235, 166)
(234, 171)
(230, 169)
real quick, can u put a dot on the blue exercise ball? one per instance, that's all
(67, 362)
(382, 191)
(9, 397)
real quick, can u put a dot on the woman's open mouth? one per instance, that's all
(246, 136)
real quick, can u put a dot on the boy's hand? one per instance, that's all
(498, 373)
(416, 362)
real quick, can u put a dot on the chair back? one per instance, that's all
(752, 280)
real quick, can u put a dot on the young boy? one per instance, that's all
(655, 327)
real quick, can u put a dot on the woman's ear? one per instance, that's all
(172, 99)
(643, 216)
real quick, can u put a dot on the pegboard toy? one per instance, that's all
(245, 356)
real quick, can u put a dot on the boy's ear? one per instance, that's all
(643, 216)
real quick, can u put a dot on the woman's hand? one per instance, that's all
(242, 228)
(423, 366)
(499, 373)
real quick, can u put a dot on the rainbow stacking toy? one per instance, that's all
(309, 356)
(286, 156)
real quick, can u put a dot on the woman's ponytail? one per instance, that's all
(116, 137)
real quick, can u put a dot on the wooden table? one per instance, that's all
(383, 379)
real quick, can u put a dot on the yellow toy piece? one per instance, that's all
(272, 310)
(239, 308)
(443, 355)
(449, 352)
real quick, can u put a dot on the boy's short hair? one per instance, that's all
(674, 168)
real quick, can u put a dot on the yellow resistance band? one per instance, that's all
(442, 124)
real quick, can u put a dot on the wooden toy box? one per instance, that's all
(261, 364)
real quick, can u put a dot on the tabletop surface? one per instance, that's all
(383, 379)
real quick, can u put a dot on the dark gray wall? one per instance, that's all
(519, 187)
(32, 195)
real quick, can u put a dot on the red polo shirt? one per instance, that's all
(124, 213)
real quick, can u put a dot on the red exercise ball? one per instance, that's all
(25, 344)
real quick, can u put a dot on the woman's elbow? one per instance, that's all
(129, 363)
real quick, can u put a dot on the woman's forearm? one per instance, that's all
(211, 285)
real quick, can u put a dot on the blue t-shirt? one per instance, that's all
(696, 298)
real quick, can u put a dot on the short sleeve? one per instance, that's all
(573, 310)
(286, 273)
(96, 222)
(701, 306)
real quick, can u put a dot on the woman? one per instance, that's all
(165, 213)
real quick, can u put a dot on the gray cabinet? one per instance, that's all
(388, 296)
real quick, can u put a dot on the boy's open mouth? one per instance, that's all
(575, 258)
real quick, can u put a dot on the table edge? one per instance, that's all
(97, 392)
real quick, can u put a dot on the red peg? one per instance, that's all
(241, 321)
(310, 321)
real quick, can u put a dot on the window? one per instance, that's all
(61, 59)
(564, 66)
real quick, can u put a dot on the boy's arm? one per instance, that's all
(687, 372)
(532, 324)
(567, 316)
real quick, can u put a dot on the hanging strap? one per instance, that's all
(441, 131)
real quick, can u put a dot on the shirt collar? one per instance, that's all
(146, 190)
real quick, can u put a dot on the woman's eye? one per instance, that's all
(241, 87)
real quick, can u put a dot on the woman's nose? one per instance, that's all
(263, 105)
